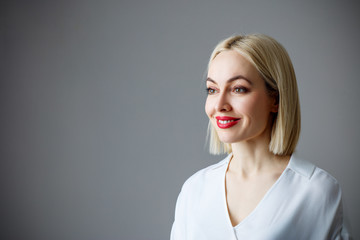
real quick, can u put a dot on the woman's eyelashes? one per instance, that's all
(237, 89)
(210, 90)
(240, 89)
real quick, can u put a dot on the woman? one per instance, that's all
(260, 190)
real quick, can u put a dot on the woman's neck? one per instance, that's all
(253, 158)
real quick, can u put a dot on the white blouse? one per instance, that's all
(304, 203)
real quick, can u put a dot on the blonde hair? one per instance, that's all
(274, 65)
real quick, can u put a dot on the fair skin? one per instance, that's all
(236, 90)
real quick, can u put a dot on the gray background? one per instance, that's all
(102, 106)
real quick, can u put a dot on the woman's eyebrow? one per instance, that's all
(232, 79)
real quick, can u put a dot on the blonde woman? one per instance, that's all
(260, 190)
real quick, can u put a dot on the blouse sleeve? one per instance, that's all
(345, 233)
(340, 227)
(178, 228)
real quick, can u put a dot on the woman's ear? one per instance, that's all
(274, 103)
(275, 108)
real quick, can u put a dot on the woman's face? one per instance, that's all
(237, 105)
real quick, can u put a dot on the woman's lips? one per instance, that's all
(226, 122)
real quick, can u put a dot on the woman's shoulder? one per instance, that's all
(318, 194)
(314, 178)
(206, 175)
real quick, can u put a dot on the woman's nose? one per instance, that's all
(222, 104)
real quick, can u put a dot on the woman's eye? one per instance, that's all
(210, 91)
(240, 90)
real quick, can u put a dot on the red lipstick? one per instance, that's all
(226, 122)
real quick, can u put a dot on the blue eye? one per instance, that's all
(240, 90)
(210, 91)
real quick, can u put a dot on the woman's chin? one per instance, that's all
(227, 140)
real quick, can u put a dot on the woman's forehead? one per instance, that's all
(228, 64)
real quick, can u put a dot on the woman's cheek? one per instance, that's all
(208, 110)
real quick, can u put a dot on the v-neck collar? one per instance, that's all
(293, 164)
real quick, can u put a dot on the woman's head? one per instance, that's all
(274, 67)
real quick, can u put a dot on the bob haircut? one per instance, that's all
(274, 65)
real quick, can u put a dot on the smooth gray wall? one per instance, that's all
(102, 106)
